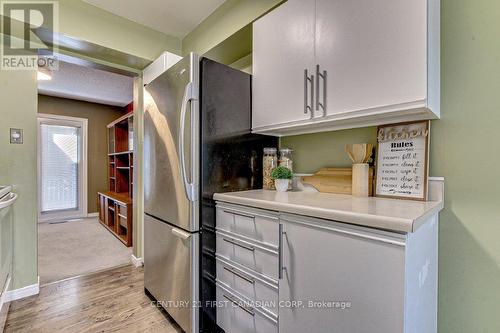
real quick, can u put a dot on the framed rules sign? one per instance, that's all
(403, 161)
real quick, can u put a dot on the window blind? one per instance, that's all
(60, 154)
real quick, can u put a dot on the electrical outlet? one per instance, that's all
(16, 136)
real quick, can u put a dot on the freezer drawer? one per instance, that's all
(171, 272)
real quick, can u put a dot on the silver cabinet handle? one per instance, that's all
(189, 95)
(318, 103)
(240, 214)
(234, 272)
(235, 302)
(308, 80)
(246, 247)
(280, 252)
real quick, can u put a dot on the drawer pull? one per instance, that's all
(249, 280)
(240, 214)
(246, 247)
(250, 312)
(280, 252)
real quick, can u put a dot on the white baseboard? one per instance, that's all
(137, 262)
(13, 295)
(3, 299)
(4, 305)
(93, 215)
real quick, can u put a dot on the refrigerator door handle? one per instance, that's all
(180, 233)
(189, 95)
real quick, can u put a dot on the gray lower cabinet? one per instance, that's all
(335, 277)
(340, 279)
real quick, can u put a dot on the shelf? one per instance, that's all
(121, 119)
(123, 238)
(120, 164)
(121, 153)
(122, 198)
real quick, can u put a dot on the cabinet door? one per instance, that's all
(283, 47)
(326, 262)
(374, 52)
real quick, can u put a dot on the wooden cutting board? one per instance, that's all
(335, 180)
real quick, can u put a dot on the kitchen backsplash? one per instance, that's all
(314, 151)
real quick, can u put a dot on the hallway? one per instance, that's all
(77, 248)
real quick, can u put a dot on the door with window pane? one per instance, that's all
(60, 169)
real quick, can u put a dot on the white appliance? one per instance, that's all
(7, 199)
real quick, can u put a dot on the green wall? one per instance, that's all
(18, 91)
(88, 23)
(464, 149)
(230, 17)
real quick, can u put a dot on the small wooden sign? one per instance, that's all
(403, 161)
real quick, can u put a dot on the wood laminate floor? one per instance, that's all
(110, 301)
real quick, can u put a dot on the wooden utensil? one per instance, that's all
(335, 180)
(359, 151)
(349, 152)
(368, 152)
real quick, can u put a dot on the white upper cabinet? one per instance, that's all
(374, 55)
(374, 62)
(159, 66)
(283, 48)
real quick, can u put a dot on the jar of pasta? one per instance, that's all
(270, 161)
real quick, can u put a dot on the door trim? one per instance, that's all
(83, 172)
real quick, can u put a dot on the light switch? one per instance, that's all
(16, 136)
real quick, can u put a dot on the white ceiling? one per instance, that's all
(88, 84)
(172, 17)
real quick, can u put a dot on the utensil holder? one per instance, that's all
(360, 179)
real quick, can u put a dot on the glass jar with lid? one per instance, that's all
(286, 161)
(270, 162)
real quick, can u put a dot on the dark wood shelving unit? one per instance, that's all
(115, 205)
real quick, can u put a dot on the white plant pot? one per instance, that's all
(281, 185)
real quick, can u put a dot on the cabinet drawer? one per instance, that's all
(249, 223)
(248, 284)
(237, 316)
(250, 254)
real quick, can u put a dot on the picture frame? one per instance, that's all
(402, 161)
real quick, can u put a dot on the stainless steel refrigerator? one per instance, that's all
(197, 141)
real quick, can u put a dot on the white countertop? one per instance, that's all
(390, 214)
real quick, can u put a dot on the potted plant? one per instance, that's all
(282, 176)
